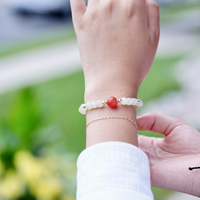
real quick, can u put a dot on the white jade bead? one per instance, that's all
(99, 103)
(140, 103)
(129, 101)
(94, 104)
(124, 101)
(88, 105)
(135, 101)
(82, 110)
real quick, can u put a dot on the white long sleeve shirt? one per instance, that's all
(113, 171)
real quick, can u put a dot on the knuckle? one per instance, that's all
(130, 11)
(135, 4)
(93, 14)
(77, 24)
(107, 6)
(179, 122)
(151, 114)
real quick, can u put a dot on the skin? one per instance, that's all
(171, 156)
(117, 41)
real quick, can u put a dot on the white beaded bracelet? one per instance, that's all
(111, 102)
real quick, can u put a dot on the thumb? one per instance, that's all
(158, 123)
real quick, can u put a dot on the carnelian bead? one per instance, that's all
(112, 102)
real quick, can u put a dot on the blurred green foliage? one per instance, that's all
(45, 116)
(19, 119)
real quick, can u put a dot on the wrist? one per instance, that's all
(101, 87)
(112, 129)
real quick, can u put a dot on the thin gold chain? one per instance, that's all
(113, 117)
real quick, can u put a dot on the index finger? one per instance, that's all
(78, 8)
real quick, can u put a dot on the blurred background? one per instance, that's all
(42, 86)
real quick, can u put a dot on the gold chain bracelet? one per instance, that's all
(113, 117)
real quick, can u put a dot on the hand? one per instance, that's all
(117, 40)
(171, 156)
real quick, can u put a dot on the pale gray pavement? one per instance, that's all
(38, 65)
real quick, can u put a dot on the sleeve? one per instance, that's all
(113, 171)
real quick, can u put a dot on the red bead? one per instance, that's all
(112, 102)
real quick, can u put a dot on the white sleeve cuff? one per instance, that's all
(113, 171)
